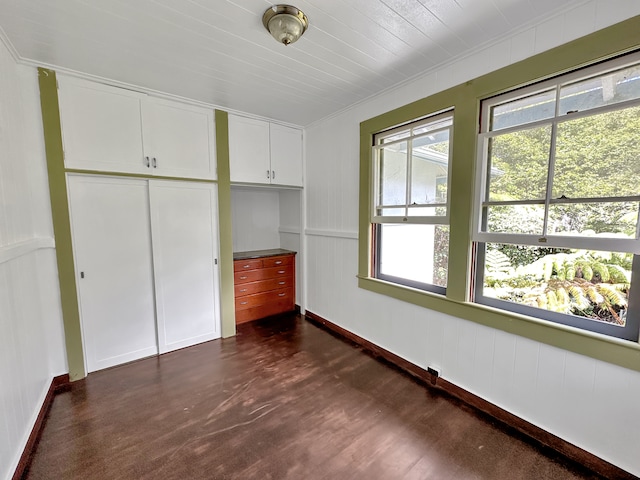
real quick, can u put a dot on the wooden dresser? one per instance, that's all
(264, 282)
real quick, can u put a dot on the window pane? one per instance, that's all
(393, 174)
(614, 87)
(417, 211)
(524, 110)
(599, 156)
(527, 219)
(518, 164)
(417, 253)
(615, 219)
(429, 168)
(594, 285)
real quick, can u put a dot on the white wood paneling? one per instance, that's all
(31, 344)
(580, 399)
(352, 50)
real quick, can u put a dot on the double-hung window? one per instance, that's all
(410, 213)
(556, 225)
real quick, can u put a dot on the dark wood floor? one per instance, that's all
(282, 400)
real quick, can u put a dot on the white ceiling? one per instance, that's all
(218, 52)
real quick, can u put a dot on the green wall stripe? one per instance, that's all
(227, 299)
(465, 99)
(61, 221)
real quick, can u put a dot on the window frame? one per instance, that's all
(601, 45)
(482, 237)
(379, 221)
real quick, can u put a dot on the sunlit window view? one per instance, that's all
(410, 211)
(589, 284)
(561, 194)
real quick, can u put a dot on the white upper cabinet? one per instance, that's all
(111, 129)
(263, 152)
(249, 150)
(178, 139)
(286, 155)
(101, 127)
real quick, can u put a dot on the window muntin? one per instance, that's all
(410, 208)
(560, 188)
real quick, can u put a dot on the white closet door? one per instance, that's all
(111, 240)
(249, 150)
(179, 138)
(184, 232)
(101, 127)
(286, 155)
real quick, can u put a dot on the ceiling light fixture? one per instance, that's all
(285, 23)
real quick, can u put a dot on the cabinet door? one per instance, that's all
(111, 241)
(101, 127)
(183, 223)
(286, 155)
(249, 150)
(179, 139)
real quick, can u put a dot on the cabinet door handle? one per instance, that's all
(268, 174)
(155, 163)
(146, 161)
(278, 262)
(243, 303)
(281, 294)
(282, 283)
(243, 289)
(243, 278)
(281, 271)
(273, 174)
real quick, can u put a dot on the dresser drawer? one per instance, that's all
(250, 288)
(263, 274)
(244, 265)
(277, 261)
(265, 298)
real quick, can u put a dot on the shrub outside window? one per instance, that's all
(410, 213)
(557, 228)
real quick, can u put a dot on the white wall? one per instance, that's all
(31, 336)
(589, 403)
(255, 215)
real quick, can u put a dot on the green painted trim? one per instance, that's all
(61, 222)
(227, 297)
(137, 175)
(465, 100)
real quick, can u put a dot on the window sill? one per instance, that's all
(601, 347)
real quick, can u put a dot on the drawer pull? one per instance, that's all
(246, 266)
(281, 294)
(243, 303)
(243, 278)
(281, 271)
(282, 283)
(278, 262)
(243, 289)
